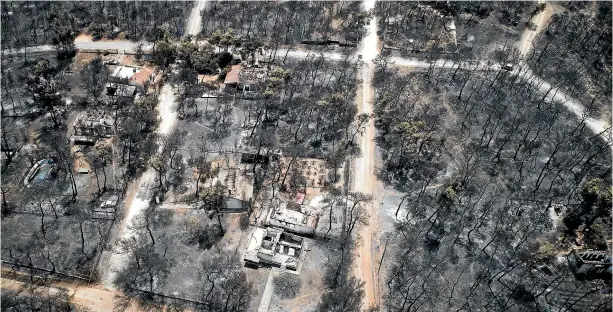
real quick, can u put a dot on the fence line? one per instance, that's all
(101, 51)
(169, 297)
(45, 270)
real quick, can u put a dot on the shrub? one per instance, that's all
(546, 252)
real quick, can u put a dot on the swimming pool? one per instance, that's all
(43, 170)
(39, 171)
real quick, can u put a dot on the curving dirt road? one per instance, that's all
(541, 20)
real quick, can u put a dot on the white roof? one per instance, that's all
(125, 72)
(255, 241)
(290, 216)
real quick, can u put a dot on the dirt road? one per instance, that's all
(195, 19)
(140, 202)
(540, 20)
(192, 27)
(597, 126)
(364, 173)
(93, 298)
(121, 45)
(135, 203)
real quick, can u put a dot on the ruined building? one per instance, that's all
(590, 264)
(293, 221)
(90, 126)
(274, 247)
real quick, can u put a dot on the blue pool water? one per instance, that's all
(43, 170)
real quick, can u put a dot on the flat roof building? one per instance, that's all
(132, 75)
(274, 247)
(291, 220)
(590, 264)
(120, 90)
(89, 126)
(124, 72)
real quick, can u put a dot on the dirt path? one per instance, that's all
(97, 298)
(540, 20)
(364, 174)
(268, 292)
(195, 19)
(93, 298)
(140, 202)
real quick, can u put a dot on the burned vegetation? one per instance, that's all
(306, 156)
(574, 53)
(498, 178)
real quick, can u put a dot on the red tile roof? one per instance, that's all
(232, 75)
(142, 76)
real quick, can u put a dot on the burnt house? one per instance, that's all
(253, 158)
(90, 126)
(246, 81)
(590, 264)
(291, 220)
(120, 90)
(274, 247)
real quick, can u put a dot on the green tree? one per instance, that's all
(225, 39)
(164, 53)
(204, 60)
